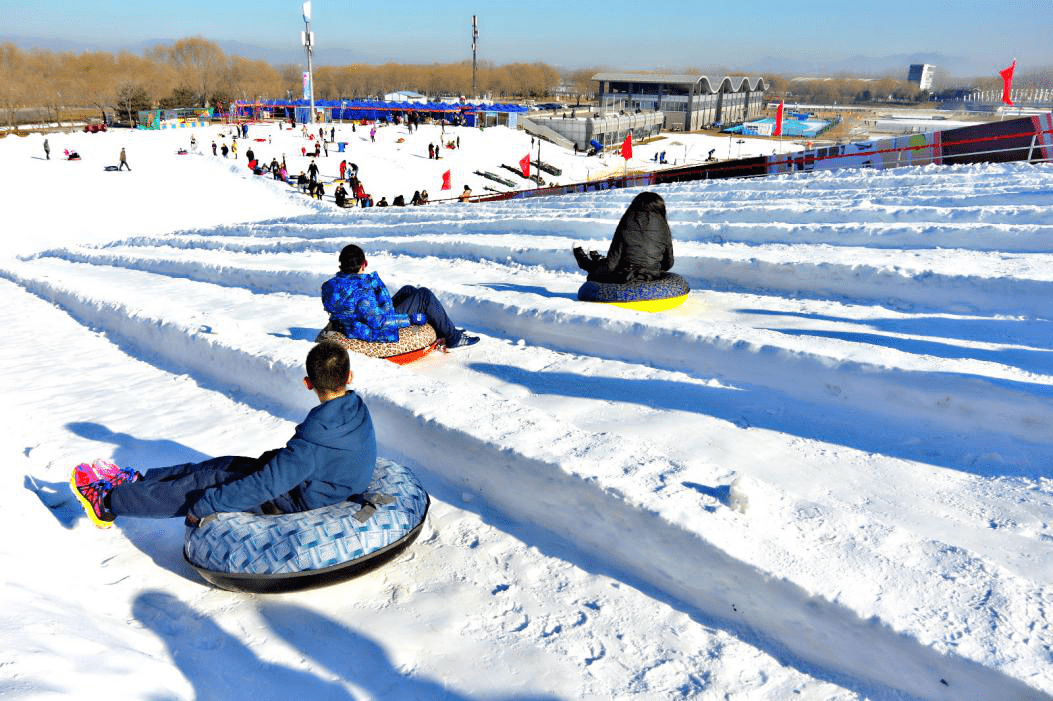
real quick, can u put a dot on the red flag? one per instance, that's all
(627, 146)
(1007, 83)
(445, 181)
(524, 165)
(778, 121)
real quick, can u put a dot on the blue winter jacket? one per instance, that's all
(362, 305)
(330, 457)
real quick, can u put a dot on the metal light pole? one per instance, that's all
(475, 41)
(308, 42)
(538, 162)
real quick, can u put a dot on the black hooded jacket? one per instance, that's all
(642, 249)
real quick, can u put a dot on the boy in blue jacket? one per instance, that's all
(329, 458)
(360, 306)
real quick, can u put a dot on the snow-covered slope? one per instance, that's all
(826, 476)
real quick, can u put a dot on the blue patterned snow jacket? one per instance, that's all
(361, 304)
(330, 457)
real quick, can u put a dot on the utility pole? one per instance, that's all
(475, 41)
(308, 42)
(538, 162)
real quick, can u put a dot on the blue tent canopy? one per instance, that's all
(368, 109)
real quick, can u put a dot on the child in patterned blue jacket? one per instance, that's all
(360, 306)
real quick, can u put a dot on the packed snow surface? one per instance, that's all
(827, 476)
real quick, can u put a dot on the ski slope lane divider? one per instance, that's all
(753, 359)
(605, 517)
(859, 275)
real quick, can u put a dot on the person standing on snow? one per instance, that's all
(340, 195)
(312, 170)
(47, 150)
(124, 161)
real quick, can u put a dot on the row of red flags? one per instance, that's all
(524, 163)
(627, 145)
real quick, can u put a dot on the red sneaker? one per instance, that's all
(91, 498)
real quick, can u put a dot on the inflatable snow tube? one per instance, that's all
(287, 552)
(414, 343)
(666, 292)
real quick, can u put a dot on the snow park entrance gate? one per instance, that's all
(1027, 139)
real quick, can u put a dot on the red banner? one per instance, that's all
(1007, 83)
(524, 165)
(627, 146)
(778, 121)
(445, 181)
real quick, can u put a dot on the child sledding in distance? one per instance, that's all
(360, 306)
(329, 458)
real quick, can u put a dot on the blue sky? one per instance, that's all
(615, 33)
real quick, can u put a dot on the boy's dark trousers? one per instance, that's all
(421, 300)
(167, 492)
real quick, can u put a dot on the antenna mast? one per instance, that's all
(475, 41)
(307, 38)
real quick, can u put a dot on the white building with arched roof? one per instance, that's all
(689, 102)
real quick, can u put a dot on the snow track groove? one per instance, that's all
(1009, 284)
(991, 402)
(773, 612)
(896, 322)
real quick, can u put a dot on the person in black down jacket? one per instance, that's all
(642, 248)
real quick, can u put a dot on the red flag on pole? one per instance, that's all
(524, 165)
(1007, 83)
(627, 146)
(445, 181)
(778, 121)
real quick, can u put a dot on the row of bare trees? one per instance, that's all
(362, 80)
(844, 90)
(191, 72)
(196, 72)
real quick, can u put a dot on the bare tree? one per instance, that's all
(13, 80)
(200, 63)
(94, 78)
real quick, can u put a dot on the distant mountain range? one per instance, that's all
(861, 66)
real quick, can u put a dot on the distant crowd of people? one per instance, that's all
(349, 189)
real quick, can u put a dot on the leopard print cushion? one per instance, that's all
(411, 338)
